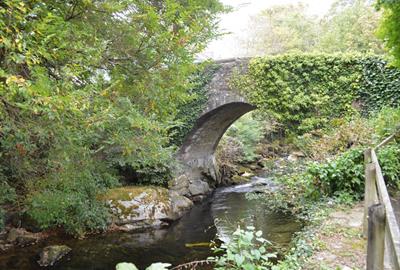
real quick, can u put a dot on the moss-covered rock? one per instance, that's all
(143, 207)
(51, 254)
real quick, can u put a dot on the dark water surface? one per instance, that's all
(221, 214)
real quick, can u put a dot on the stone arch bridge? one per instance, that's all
(224, 106)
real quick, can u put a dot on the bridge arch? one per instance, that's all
(198, 149)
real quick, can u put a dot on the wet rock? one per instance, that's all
(51, 254)
(199, 187)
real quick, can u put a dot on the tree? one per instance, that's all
(87, 86)
(281, 29)
(350, 25)
(389, 30)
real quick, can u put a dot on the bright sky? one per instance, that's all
(235, 23)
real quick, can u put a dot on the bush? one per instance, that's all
(385, 122)
(246, 250)
(70, 198)
(342, 136)
(344, 174)
(389, 159)
(7, 195)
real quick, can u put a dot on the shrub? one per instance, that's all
(385, 122)
(340, 137)
(246, 250)
(389, 159)
(343, 174)
(69, 198)
(7, 195)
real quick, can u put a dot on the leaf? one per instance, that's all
(126, 266)
(158, 266)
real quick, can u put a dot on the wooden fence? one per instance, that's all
(380, 224)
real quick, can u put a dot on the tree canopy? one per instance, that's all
(87, 87)
(349, 26)
(390, 27)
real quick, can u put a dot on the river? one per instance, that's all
(219, 215)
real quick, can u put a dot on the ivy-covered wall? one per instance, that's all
(308, 91)
(190, 111)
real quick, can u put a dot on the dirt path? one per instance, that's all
(340, 242)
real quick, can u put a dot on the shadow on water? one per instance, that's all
(228, 207)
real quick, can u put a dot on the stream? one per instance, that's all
(218, 215)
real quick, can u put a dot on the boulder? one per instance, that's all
(51, 254)
(21, 237)
(145, 207)
(180, 204)
(239, 179)
(180, 184)
(199, 187)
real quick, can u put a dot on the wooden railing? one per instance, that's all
(380, 224)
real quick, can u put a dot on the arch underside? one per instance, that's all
(197, 151)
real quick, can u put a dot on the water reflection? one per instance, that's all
(227, 207)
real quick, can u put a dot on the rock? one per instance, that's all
(298, 154)
(21, 237)
(13, 234)
(180, 185)
(145, 207)
(292, 158)
(239, 179)
(27, 239)
(51, 254)
(180, 204)
(199, 187)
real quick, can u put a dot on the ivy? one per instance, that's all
(190, 111)
(304, 92)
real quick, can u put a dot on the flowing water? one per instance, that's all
(220, 214)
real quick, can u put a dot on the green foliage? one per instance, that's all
(304, 92)
(349, 26)
(344, 174)
(69, 198)
(380, 85)
(246, 250)
(7, 195)
(385, 122)
(389, 159)
(97, 83)
(190, 110)
(281, 29)
(247, 131)
(389, 29)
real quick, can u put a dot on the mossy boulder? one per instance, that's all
(144, 207)
(51, 254)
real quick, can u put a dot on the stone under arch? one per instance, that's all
(198, 149)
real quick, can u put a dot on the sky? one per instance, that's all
(235, 24)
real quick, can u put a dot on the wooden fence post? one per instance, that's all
(376, 237)
(370, 193)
